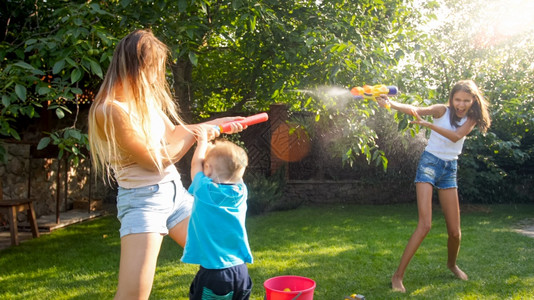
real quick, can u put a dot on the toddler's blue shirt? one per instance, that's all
(217, 237)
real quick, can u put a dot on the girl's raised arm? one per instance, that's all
(436, 110)
(453, 136)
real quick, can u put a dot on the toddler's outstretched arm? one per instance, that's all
(197, 162)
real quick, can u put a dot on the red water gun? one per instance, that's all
(251, 120)
(372, 91)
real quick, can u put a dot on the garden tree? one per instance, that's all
(238, 57)
(52, 57)
(228, 57)
(302, 45)
(494, 165)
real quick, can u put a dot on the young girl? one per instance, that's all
(438, 164)
(132, 136)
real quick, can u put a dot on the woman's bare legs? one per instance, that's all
(179, 232)
(448, 199)
(139, 255)
(424, 208)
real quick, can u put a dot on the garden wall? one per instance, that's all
(52, 182)
(345, 192)
(310, 175)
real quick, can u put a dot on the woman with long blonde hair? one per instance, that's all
(136, 137)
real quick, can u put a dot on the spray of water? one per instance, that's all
(331, 96)
(400, 147)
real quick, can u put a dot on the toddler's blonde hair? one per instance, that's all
(228, 160)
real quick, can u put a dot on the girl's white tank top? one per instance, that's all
(441, 146)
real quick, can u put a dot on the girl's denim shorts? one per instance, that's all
(153, 208)
(440, 173)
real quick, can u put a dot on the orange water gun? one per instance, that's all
(372, 91)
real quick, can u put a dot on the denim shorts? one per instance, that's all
(440, 173)
(153, 208)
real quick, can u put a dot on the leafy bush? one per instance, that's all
(264, 192)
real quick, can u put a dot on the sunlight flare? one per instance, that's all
(503, 19)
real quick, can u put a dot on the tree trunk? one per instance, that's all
(182, 74)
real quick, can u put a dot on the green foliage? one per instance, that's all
(229, 56)
(495, 164)
(67, 140)
(48, 61)
(264, 193)
(280, 47)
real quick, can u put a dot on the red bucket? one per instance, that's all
(289, 288)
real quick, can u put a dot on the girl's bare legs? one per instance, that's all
(424, 208)
(448, 198)
(139, 255)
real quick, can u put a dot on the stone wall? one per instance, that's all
(52, 182)
(346, 192)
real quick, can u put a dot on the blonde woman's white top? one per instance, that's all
(132, 175)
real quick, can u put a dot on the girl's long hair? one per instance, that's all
(138, 68)
(478, 111)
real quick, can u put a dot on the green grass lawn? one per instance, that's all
(345, 249)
